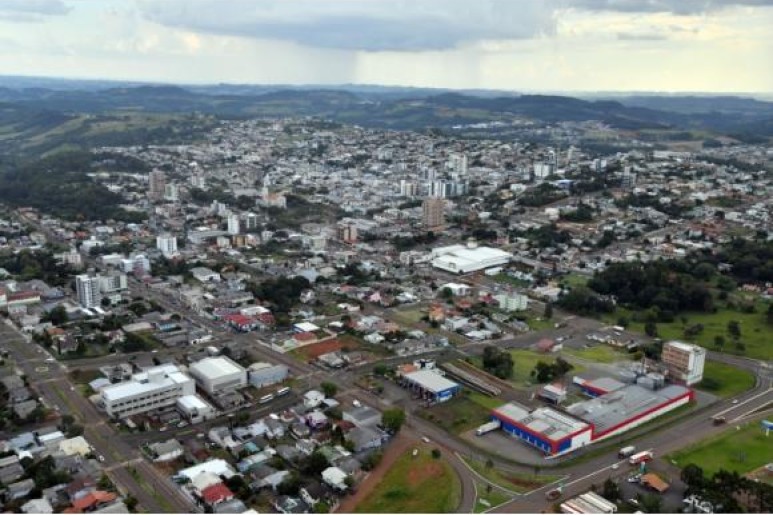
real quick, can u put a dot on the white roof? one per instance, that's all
(219, 467)
(192, 402)
(140, 384)
(307, 327)
(431, 381)
(214, 367)
(334, 476)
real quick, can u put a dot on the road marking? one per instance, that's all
(747, 401)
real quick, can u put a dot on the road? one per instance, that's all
(123, 463)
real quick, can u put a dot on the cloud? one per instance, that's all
(651, 36)
(683, 7)
(31, 10)
(372, 25)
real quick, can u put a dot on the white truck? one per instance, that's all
(487, 427)
(626, 451)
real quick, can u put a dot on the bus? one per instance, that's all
(283, 391)
(266, 398)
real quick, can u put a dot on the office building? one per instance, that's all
(251, 222)
(408, 188)
(88, 290)
(432, 214)
(167, 244)
(684, 362)
(157, 185)
(155, 388)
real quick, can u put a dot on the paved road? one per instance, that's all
(123, 463)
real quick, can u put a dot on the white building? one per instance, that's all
(218, 374)
(194, 408)
(205, 275)
(684, 361)
(167, 244)
(154, 388)
(88, 290)
(512, 301)
(461, 259)
(266, 374)
(171, 193)
(137, 265)
(233, 224)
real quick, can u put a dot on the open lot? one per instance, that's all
(458, 415)
(725, 380)
(415, 484)
(511, 481)
(741, 450)
(599, 354)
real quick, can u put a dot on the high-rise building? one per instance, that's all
(171, 193)
(408, 188)
(167, 244)
(233, 224)
(251, 222)
(157, 185)
(684, 361)
(628, 179)
(88, 290)
(432, 213)
(347, 233)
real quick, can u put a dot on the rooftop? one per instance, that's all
(217, 366)
(546, 421)
(430, 380)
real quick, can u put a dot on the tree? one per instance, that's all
(436, 453)
(497, 362)
(610, 490)
(548, 311)
(446, 293)
(651, 503)
(321, 507)
(57, 316)
(290, 485)
(650, 328)
(380, 369)
(393, 419)
(692, 476)
(329, 389)
(734, 329)
(719, 341)
(314, 464)
(131, 503)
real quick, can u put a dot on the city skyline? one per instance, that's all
(561, 45)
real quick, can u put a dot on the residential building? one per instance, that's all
(433, 217)
(88, 290)
(156, 185)
(233, 224)
(167, 244)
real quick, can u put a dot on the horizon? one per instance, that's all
(578, 46)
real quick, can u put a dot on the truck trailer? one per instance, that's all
(640, 457)
(488, 427)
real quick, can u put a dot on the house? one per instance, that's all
(312, 493)
(363, 416)
(374, 338)
(232, 506)
(276, 429)
(312, 399)
(37, 506)
(19, 489)
(273, 480)
(93, 500)
(215, 494)
(10, 469)
(24, 409)
(80, 485)
(165, 451)
(287, 504)
(364, 438)
(299, 430)
(335, 477)
(316, 420)
(288, 452)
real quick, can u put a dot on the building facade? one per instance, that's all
(88, 290)
(684, 361)
(157, 387)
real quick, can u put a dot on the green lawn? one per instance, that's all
(741, 451)
(458, 415)
(495, 497)
(418, 484)
(513, 482)
(599, 354)
(725, 380)
(755, 332)
(524, 361)
(484, 400)
(407, 316)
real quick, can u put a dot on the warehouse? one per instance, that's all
(622, 410)
(266, 374)
(589, 502)
(548, 430)
(596, 387)
(461, 259)
(218, 374)
(430, 385)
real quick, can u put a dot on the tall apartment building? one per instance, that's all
(171, 193)
(166, 243)
(157, 387)
(88, 290)
(408, 188)
(233, 224)
(251, 222)
(347, 233)
(111, 286)
(432, 213)
(684, 361)
(156, 185)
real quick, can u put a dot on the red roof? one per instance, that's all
(216, 493)
(305, 337)
(239, 319)
(92, 499)
(23, 295)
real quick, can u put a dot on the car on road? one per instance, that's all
(633, 501)
(425, 439)
(615, 466)
(356, 403)
(101, 458)
(735, 401)
(635, 478)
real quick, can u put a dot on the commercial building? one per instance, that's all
(218, 374)
(154, 388)
(167, 244)
(431, 385)
(547, 429)
(194, 408)
(88, 290)
(589, 502)
(461, 259)
(433, 218)
(266, 374)
(684, 361)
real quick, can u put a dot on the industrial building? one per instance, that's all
(218, 374)
(154, 388)
(549, 430)
(461, 259)
(431, 385)
(266, 374)
(589, 502)
(684, 361)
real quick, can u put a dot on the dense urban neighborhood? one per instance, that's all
(296, 315)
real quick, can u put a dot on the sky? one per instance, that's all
(514, 45)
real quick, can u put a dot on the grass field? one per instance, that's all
(418, 484)
(484, 400)
(599, 354)
(725, 380)
(458, 415)
(755, 332)
(519, 483)
(488, 499)
(741, 451)
(407, 316)
(524, 362)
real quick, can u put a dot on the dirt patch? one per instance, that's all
(416, 476)
(313, 351)
(524, 483)
(396, 449)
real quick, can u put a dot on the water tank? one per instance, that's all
(627, 376)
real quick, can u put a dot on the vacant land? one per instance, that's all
(599, 354)
(725, 380)
(741, 451)
(511, 481)
(755, 332)
(415, 484)
(458, 415)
